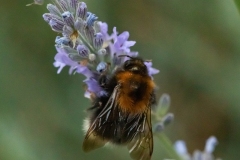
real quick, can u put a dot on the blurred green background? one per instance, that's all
(194, 43)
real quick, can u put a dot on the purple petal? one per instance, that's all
(104, 30)
(151, 71)
(130, 43)
(114, 34)
(62, 59)
(93, 85)
(60, 65)
(85, 71)
(71, 69)
(133, 54)
(124, 36)
(121, 45)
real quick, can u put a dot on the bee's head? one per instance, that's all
(135, 65)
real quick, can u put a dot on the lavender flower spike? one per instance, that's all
(85, 46)
(108, 64)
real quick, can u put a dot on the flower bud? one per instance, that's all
(167, 119)
(92, 57)
(81, 11)
(91, 18)
(102, 67)
(68, 18)
(163, 104)
(47, 17)
(102, 52)
(73, 4)
(83, 51)
(53, 9)
(56, 25)
(98, 41)
(158, 127)
(63, 4)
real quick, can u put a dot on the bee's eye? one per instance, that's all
(129, 64)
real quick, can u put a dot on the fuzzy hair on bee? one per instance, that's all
(123, 116)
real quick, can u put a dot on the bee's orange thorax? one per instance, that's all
(135, 92)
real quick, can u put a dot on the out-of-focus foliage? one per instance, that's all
(195, 44)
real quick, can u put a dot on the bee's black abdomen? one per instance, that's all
(118, 127)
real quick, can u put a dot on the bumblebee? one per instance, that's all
(123, 117)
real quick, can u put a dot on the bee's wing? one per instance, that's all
(141, 146)
(92, 141)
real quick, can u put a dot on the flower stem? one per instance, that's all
(168, 146)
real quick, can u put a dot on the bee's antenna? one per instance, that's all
(125, 55)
